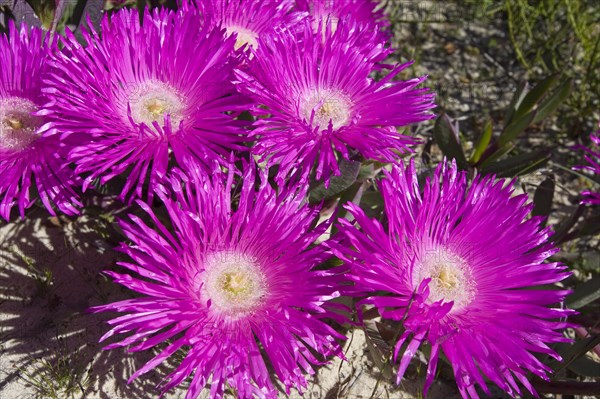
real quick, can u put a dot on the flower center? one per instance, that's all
(234, 283)
(152, 100)
(18, 125)
(450, 278)
(445, 279)
(244, 36)
(325, 107)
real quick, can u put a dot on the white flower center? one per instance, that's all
(17, 124)
(244, 36)
(234, 283)
(152, 100)
(450, 276)
(328, 106)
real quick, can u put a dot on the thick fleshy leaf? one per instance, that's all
(549, 105)
(571, 353)
(447, 138)
(337, 184)
(532, 98)
(517, 165)
(515, 128)
(379, 349)
(542, 199)
(585, 293)
(515, 102)
(482, 142)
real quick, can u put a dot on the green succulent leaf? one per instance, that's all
(499, 153)
(532, 98)
(590, 226)
(378, 348)
(515, 102)
(584, 294)
(518, 165)
(516, 127)
(482, 142)
(571, 353)
(542, 199)
(447, 139)
(585, 366)
(337, 184)
(549, 105)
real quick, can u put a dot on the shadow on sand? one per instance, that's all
(50, 274)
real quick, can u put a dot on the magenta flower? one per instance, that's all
(458, 263)
(250, 19)
(318, 99)
(592, 156)
(368, 13)
(27, 160)
(233, 283)
(140, 97)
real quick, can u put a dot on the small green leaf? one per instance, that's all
(368, 170)
(542, 199)
(562, 230)
(505, 149)
(378, 348)
(372, 204)
(532, 98)
(571, 353)
(515, 128)
(586, 367)
(446, 137)
(517, 165)
(337, 184)
(584, 294)
(371, 200)
(551, 103)
(590, 226)
(515, 102)
(352, 194)
(482, 142)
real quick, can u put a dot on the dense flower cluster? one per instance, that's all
(216, 119)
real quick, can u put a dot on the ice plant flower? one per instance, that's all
(141, 98)
(592, 156)
(27, 160)
(357, 34)
(234, 282)
(368, 13)
(317, 99)
(462, 266)
(249, 19)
